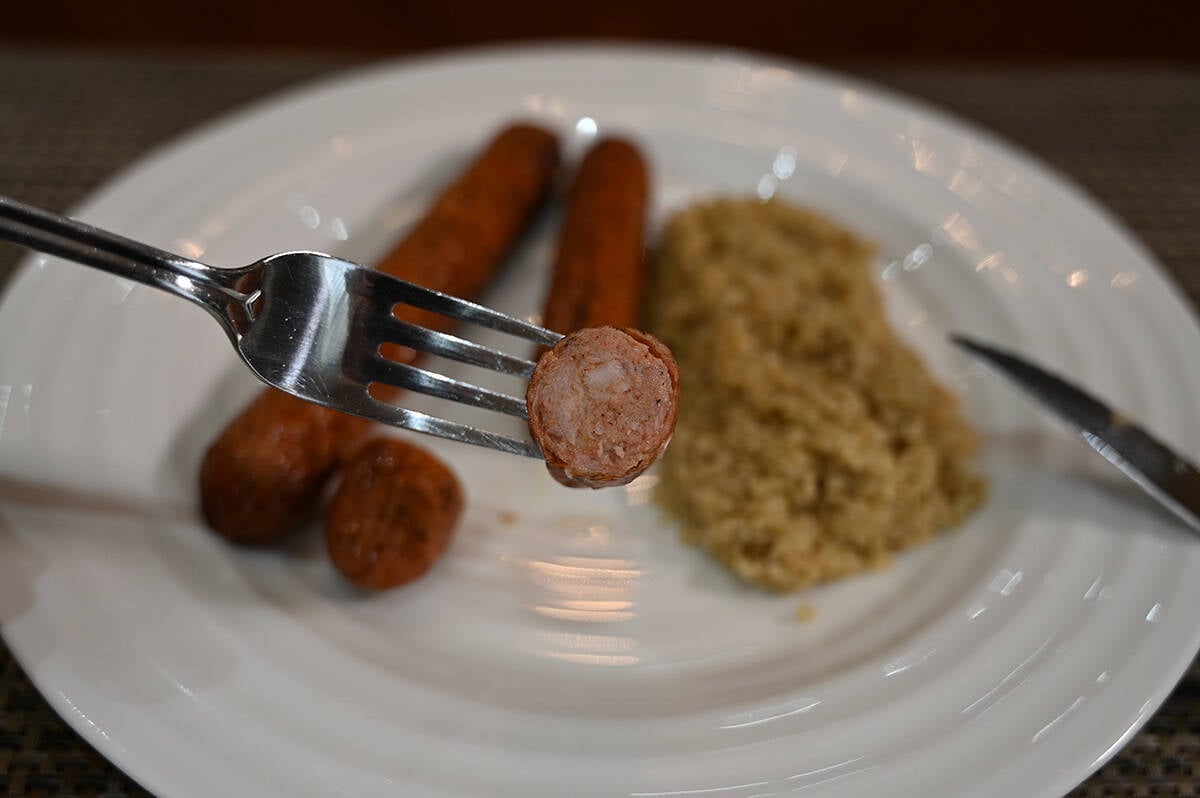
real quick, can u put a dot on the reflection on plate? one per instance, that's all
(580, 649)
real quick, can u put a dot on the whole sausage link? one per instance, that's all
(266, 469)
(598, 280)
(599, 272)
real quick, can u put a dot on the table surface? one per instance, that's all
(1131, 137)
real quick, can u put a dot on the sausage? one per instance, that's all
(457, 245)
(266, 469)
(598, 279)
(602, 405)
(599, 271)
(393, 514)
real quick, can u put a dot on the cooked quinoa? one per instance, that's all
(811, 442)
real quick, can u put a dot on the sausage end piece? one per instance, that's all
(602, 405)
(392, 515)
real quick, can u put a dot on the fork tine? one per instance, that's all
(402, 375)
(351, 398)
(389, 328)
(452, 430)
(401, 292)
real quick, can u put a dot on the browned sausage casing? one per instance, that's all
(599, 272)
(268, 466)
(392, 515)
(602, 405)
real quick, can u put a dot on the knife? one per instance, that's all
(1164, 475)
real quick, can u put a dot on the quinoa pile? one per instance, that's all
(811, 442)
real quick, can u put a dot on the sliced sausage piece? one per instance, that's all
(392, 515)
(265, 471)
(602, 405)
(599, 271)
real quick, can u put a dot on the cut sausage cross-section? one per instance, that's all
(602, 405)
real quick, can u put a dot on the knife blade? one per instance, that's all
(1155, 468)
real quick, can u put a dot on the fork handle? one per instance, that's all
(213, 289)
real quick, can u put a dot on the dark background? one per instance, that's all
(1041, 31)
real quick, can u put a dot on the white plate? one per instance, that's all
(582, 650)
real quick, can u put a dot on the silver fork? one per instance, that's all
(311, 324)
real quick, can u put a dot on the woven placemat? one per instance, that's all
(1132, 139)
